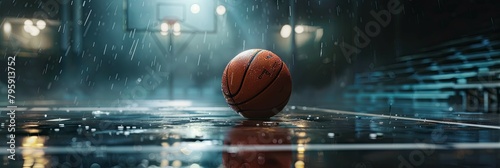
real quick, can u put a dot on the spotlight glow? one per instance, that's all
(41, 24)
(221, 10)
(286, 30)
(195, 8)
(299, 29)
(164, 27)
(28, 23)
(29, 28)
(7, 27)
(34, 31)
(176, 27)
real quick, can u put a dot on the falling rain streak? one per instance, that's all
(133, 77)
(85, 23)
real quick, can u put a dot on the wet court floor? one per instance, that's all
(179, 134)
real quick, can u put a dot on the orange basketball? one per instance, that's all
(256, 84)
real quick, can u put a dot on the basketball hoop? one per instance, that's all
(170, 12)
(171, 22)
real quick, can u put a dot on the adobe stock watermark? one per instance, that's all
(417, 157)
(11, 99)
(372, 29)
(50, 9)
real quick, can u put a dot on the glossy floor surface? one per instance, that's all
(181, 134)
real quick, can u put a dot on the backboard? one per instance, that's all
(192, 15)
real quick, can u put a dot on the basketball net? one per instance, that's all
(171, 21)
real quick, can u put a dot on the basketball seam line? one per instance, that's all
(283, 102)
(270, 83)
(227, 79)
(243, 78)
(227, 85)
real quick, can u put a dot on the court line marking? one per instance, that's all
(226, 108)
(282, 147)
(399, 117)
(116, 108)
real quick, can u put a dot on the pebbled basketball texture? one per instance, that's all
(256, 84)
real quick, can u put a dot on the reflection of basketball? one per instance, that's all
(256, 84)
(239, 137)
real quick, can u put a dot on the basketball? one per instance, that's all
(256, 83)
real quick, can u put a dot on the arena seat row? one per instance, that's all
(463, 72)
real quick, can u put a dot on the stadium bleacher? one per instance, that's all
(462, 73)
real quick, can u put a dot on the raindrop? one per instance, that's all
(261, 159)
(106, 47)
(199, 57)
(205, 37)
(85, 23)
(321, 50)
(95, 165)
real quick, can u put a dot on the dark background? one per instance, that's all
(316, 66)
